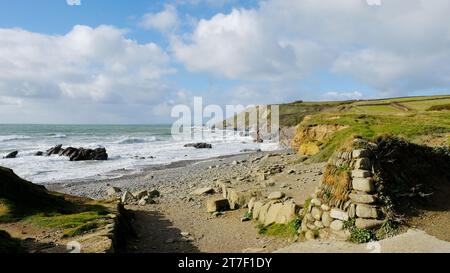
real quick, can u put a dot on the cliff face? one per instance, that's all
(309, 138)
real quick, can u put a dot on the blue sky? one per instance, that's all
(116, 61)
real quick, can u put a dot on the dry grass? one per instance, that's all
(339, 182)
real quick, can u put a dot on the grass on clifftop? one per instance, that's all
(21, 200)
(415, 127)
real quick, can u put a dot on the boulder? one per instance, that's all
(54, 150)
(280, 213)
(363, 184)
(217, 205)
(337, 225)
(325, 207)
(288, 213)
(146, 201)
(276, 195)
(154, 194)
(366, 211)
(256, 209)
(363, 198)
(127, 198)
(12, 155)
(339, 214)
(140, 194)
(203, 191)
(39, 153)
(239, 199)
(199, 146)
(251, 203)
(69, 152)
(112, 191)
(88, 154)
(368, 223)
(263, 212)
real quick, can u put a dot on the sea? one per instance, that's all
(131, 149)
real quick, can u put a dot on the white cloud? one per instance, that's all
(163, 21)
(87, 65)
(73, 2)
(334, 95)
(398, 47)
(210, 3)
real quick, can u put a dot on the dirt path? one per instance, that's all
(182, 224)
(179, 228)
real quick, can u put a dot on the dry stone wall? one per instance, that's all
(347, 194)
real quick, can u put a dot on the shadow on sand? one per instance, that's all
(156, 234)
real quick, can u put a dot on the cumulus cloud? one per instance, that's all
(334, 95)
(73, 2)
(398, 47)
(163, 21)
(99, 64)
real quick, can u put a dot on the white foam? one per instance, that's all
(128, 153)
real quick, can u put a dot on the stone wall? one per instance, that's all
(347, 194)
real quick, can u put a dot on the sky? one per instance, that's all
(117, 61)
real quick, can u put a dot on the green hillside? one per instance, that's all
(420, 120)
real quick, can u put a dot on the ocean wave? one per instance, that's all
(13, 138)
(136, 140)
(57, 135)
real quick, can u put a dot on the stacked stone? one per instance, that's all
(322, 218)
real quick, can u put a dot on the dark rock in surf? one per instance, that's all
(251, 150)
(88, 154)
(199, 146)
(69, 152)
(80, 154)
(55, 150)
(39, 153)
(12, 155)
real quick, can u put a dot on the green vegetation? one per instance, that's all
(388, 229)
(357, 235)
(289, 230)
(361, 236)
(21, 200)
(72, 224)
(439, 107)
(306, 206)
(248, 215)
(411, 126)
(292, 114)
(411, 175)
